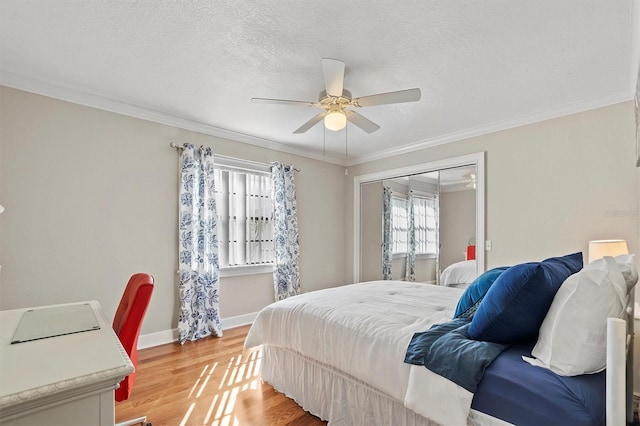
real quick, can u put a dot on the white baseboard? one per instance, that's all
(169, 336)
(238, 320)
(157, 339)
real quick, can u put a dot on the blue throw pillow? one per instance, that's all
(515, 306)
(473, 295)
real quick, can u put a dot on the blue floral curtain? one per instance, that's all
(387, 234)
(410, 273)
(198, 247)
(286, 270)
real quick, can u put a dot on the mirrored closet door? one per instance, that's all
(412, 227)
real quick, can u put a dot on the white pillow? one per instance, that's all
(573, 336)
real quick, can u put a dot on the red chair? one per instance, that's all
(127, 323)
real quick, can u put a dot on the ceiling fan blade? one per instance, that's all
(409, 95)
(282, 102)
(333, 71)
(309, 124)
(362, 122)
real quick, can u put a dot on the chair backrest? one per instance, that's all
(127, 323)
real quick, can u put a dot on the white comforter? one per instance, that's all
(364, 330)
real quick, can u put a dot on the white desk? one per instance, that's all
(62, 380)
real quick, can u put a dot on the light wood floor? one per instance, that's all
(209, 382)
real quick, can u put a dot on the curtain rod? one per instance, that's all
(176, 146)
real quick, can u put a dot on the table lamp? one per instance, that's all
(600, 248)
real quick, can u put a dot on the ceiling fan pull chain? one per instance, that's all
(324, 143)
(346, 141)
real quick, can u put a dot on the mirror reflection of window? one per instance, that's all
(424, 211)
(444, 207)
(425, 224)
(399, 224)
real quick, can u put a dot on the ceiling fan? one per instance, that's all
(470, 179)
(335, 100)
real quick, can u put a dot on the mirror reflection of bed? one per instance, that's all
(445, 222)
(459, 274)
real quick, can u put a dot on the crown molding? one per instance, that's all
(95, 101)
(574, 108)
(43, 88)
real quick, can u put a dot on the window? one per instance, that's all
(245, 230)
(425, 224)
(424, 212)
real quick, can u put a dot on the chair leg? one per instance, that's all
(139, 420)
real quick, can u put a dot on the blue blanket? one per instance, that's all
(446, 350)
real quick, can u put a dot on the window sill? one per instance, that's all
(426, 256)
(418, 256)
(235, 271)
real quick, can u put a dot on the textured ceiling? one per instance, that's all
(482, 65)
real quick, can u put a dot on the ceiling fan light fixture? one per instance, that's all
(335, 101)
(335, 120)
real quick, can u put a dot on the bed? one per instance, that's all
(338, 353)
(459, 274)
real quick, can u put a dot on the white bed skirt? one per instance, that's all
(339, 398)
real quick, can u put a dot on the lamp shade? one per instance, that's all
(600, 248)
(335, 120)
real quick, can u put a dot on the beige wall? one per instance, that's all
(550, 186)
(371, 225)
(91, 197)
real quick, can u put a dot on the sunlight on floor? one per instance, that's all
(242, 373)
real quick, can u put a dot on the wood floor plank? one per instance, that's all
(213, 381)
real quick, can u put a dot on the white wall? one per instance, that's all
(91, 198)
(550, 186)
